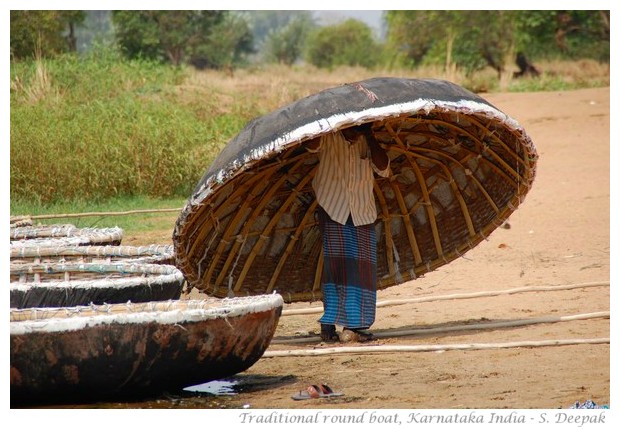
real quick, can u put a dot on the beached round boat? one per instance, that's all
(64, 235)
(71, 284)
(20, 221)
(460, 168)
(152, 254)
(96, 352)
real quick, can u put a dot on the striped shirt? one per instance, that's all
(344, 181)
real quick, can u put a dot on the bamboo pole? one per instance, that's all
(429, 206)
(457, 194)
(494, 137)
(441, 123)
(429, 347)
(265, 199)
(318, 273)
(415, 249)
(196, 225)
(484, 294)
(425, 194)
(267, 230)
(387, 226)
(403, 208)
(289, 248)
(123, 213)
(395, 333)
(233, 224)
(485, 148)
(473, 178)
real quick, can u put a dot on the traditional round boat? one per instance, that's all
(20, 221)
(71, 284)
(152, 254)
(64, 235)
(460, 167)
(96, 352)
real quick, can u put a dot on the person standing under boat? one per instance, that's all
(343, 185)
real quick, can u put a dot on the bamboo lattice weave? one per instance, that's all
(460, 169)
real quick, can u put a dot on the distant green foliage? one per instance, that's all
(463, 40)
(207, 38)
(227, 45)
(97, 127)
(565, 34)
(43, 32)
(350, 43)
(474, 39)
(285, 45)
(102, 127)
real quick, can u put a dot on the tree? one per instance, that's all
(468, 39)
(566, 34)
(264, 22)
(349, 43)
(227, 45)
(473, 39)
(410, 35)
(44, 32)
(172, 35)
(484, 38)
(285, 44)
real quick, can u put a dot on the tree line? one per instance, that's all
(469, 40)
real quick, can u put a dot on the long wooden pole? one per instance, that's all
(392, 302)
(429, 347)
(88, 214)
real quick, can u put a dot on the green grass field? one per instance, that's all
(103, 134)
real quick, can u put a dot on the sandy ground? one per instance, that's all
(560, 236)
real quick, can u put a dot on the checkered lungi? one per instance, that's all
(349, 281)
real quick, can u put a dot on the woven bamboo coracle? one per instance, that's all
(132, 312)
(100, 352)
(71, 284)
(152, 254)
(460, 167)
(64, 235)
(20, 221)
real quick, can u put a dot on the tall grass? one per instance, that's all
(143, 222)
(99, 128)
(88, 130)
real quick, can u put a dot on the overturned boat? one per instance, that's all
(151, 254)
(71, 284)
(64, 235)
(460, 167)
(94, 352)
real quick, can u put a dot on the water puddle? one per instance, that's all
(216, 387)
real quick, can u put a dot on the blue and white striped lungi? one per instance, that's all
(349, 280)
